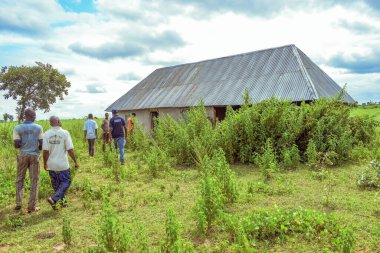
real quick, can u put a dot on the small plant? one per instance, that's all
(370, 177)
(67, 230)
(377, 204)
(173, 242)
(210, 203)
(312, 155)
(158, 161)
(113, 234)
(267, 161)
(328, 190)
(172, 231)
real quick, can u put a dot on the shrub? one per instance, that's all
(173, 242)
(67, 230)
(210, 203)
(370, 177)
(281, 223)
(267, 161)
(113, 234)
(158, 160)
(219, 168)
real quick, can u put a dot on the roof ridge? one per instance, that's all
(228, 56)
(304, 71)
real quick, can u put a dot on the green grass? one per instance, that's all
(370, 110)
(139, 197)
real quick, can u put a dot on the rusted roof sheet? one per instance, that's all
(283, 72)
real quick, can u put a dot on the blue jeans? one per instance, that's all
(60, 181)
(119, 144)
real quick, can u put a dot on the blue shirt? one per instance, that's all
(29, 133)
(90, 126)
(117, 124)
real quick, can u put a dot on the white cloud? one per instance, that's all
(191, 31)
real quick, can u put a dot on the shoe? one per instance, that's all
(122, 162)
(17, 208)
(52, 203)
(35, 209)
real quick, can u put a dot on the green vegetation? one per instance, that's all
(292, 193)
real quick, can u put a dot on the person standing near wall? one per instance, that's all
(130, 126)
(57, 144)
(90, 129)
(106, 137)
(28, 138)
(118, 132)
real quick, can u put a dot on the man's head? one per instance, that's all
(90, 116)
(114, 112)
(30, 115)
(106, 115)
(54, 121)
(133, 114)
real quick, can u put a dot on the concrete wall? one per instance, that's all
(145, 119)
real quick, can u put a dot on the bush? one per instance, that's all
(67, 230)
(219, 168)
(267, 161)
(281, 223)
(210, 203)
(370, 177)
(158, 161)
(113, 234)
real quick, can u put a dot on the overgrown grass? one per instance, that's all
(139, 201)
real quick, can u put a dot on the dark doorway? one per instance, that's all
(154, 117)
(220, 113)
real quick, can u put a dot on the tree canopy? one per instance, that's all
(35, 87)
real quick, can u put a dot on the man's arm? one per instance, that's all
(16, 139)
(85, 135)
(46, 158)
(96, 133)
(72, 156)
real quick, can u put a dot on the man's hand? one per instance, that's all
(45, 167)
(76, 165)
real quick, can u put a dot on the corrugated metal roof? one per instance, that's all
(283, 72)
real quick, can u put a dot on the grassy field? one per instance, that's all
(143, 201)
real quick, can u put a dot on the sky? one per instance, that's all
(105, 47)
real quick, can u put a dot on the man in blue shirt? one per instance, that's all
(28, 138)
(90, 129)
(118, 132)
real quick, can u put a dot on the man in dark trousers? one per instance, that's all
(28, 138)
(57, 144)
(118, 133)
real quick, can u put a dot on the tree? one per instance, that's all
(35, 87)
(7, 116)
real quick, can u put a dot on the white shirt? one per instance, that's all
(90, 126)
(57, 141)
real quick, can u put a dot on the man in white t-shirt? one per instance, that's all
(90, 129)
(56, 145)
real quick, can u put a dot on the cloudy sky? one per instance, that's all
(105, 47)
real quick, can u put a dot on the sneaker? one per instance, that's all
(35, 209)
(17, 208)
(52, 203)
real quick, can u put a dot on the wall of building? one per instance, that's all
(144, 116)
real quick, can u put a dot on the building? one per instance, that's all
(282, 72)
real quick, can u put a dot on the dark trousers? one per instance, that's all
(91, 146)
(60, 181)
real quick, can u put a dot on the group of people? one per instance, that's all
(114, 127)
(56, 145)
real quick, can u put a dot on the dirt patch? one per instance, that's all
(45, 235)
(59, 247)
(4, 247)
